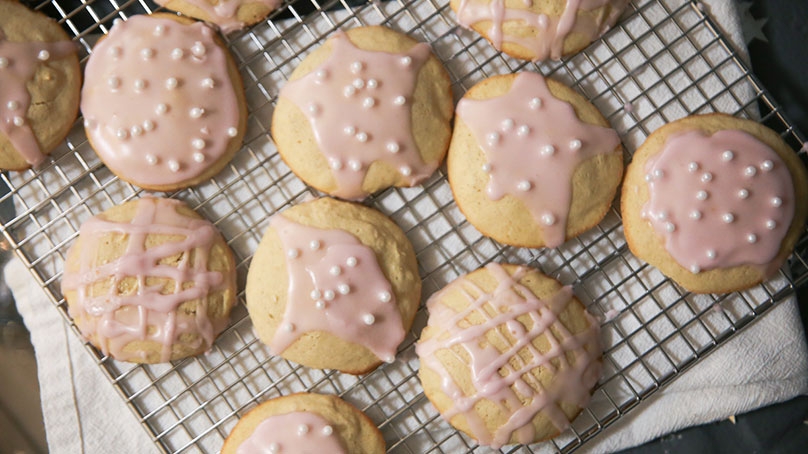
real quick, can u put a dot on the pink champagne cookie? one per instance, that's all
(532, 163)
(508, 355)
(717, 203)
(150, 281)
(368, 110)
(306, 423)
(163, 102)
(228, 15)
(539, 29)
(333, 285)
(40, 82)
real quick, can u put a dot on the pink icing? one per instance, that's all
(548, 42)
(500, 310)
(116, 319)
(224, 13)
(533, 142)
(300, 431)
(18, 64)
(336, 286)
(359, 104)
(158, 101)
(719, 201)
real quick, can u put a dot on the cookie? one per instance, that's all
(40, 82)
(228, 15)
(508, 355)
(333, 285)
(539, 29)
(163, 102)
(150, 281)
(532, 163)
(368, 110)
(305, 422)
(714, 202)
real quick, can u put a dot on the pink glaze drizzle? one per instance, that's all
(296, 432)
(158, 101)
(359, 104)
(18, 64)
(510, 300)
(336, 286)
(551, 32)
(224, 12)
(116, 319)
(533, 143)
(719, 201)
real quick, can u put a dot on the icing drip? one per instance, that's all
(150, 311)
(336, 286)
(495, 375)
(224, 12)
(535, 160)
(178, 104)
(719, 201)
(547, 33)
(18, 64)
(299, 431)
(359, 104)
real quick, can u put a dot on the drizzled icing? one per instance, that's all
(18, 64)
(158, 102)
(719, 201)
(223, 13)
(532, 143)
(359, 104)
(299, 431)
(150, 312)
(494, 374)
(547, 32)
(336, 286)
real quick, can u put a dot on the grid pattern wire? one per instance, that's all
(652, 330)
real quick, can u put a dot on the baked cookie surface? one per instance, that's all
(368, 110)
(150, 281)
(539, 29)
(333, 285)
(163, 102)
(228, 15)
(508, 355)
(40, 82)
(305, 422)
(716, 203)
(532, 163)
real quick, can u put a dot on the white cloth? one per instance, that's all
(765, 364)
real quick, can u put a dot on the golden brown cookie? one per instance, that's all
(333, 285)
(228, 15)
(508, 355)
(40, 80)
(717, 203)
(305, 422)
(163, 102)
(367, 110)
(150, 281)
(539, 29)
(532, 163)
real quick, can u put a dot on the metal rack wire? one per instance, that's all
(664, 60)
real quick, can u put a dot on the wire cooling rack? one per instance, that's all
(664, 60)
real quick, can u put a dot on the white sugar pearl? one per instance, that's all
(173, 165)
(198, 143)
(743, 193)
(548, 219)
(336, 164)
(351, 261)
(399, 100)
(393, 147)
(19, 121)
(750, 171)
(372, 83)
(148, 125)
(348, 91)
(158, 30)
(695, 215)
(766, 165)
(492, 138)
(315, 294)
(349, 130)
(355, 165)
(196, 112)
(232, 131)
(198, 49)
(710, 253)
(405, 170)
(147, 53)
(390, 359)
(777, 201)
(670, 227)
(575, 144)
(702, 195)
(728, 218)
(663, 215)
(321, 73)
(368, 102)
(385, 296)
(204, 130)
(547, 150)
(344, 289)
(122, 133)
(289, 327)
(161, 109)
(13, 105)
(362, 137)
(274, 448)
(177, 54)
(43, 55)
(199, 157)
(335, 270)
(319, 304)
(114, 82)
(327, 430)
(314, 245)
(486, 167)
(695, 269)
(357, 67)
(658, 173)
(524, 186)
(649, 178)
(3, 62)
(293, 253)
(140, 84)
(328, 295)
(706, 177)
(368, 319)
(208, 82)
(314, 109)
(151, 159)
(359, 83)
(751, 238)
(507, 124)
(171, 83)
(523, 130)
(136, 130)
(727, 156)
(771, 224)
(693, 167)
(535, 103)
(406, 61)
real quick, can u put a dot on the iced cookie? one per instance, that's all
(368, 110)
(150, 281)
(229, 15)
(40, 81)
(716, 203)
(163, 102)
(532, 163)
(508, 355)
(333, 285)
(305, 422)
(539, 29)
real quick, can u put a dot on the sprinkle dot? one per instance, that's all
(122, 134)
(336, 164)
(728, 218)
(359, 83)
(329, 295)
(771, 224)
(368, 102)
(695, 269)
(523, 130)
(535, 103)
(136, 130)
(197, 112)
(548, 219)
(702, 195)
(524, 186)
(293, 253)
(302, 429)
(751, 238)
(158, 30)
(384, 296)
(658, 173)
(351, 261)
(208, 83)
(344, 289)
(114, 82)
(319, 304)
(147, 53)
(148, 125)
(315, 294)
(173, 165)
(368, 319)
(171, 83)
(575, 144)
(507, 124)
(314, 109)
(198, 49)
(706, 177)
(357, 67)
(349, 130)
(177, 54)
(663, 215)
(321, 74)
(695, 215)
(362, 137)
(777, 201)
(766, 165)
(750, 171)
(406, 61)
(274, 448)
(198, 143)
(13, 105)
(43, 55)
(19, 121)
(727, 156)
(405, 170)
(348, 91)
(3, 62)
(649, 178)
(399, 100)
(199, 157)
(151, 159)
(327, 430)
(393, 147)
(486, 167)
(548, 150)
(372, 83)
(355, 165)
(743, 194)
(693, 167)
(335, 270)
(232, 131)
(710, 253)
(314, 245)
(670, 227)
